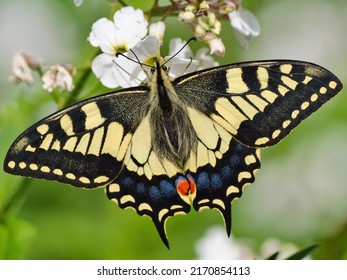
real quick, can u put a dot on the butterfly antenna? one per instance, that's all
(124, 70)
(137, 60)
(188, 42)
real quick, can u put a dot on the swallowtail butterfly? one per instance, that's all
(169, 145)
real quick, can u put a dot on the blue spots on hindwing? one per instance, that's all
(203, 180)
(167, 189)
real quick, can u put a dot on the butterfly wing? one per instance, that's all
(83, 145)
(238, 108)
(259, 103)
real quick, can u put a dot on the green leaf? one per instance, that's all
(303, 253)
(15, 237)
(273, 256)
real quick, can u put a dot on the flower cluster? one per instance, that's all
(202, 18)
(127, 34)
(129, 45)
(57, 76)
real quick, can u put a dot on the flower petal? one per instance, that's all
(179, 66)
(175, 49)
(114, 72)
(131, 26)
(103, 36)
(146, 50)
(157, 29)
(244, 22)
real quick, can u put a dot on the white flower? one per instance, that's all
(157, 29)
(180, 58)
(245, 24)
(78, 2)
(59, 76)
(127, 29)
(22, 66)
(216, 245)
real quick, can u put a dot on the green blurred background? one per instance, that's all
(300, 194)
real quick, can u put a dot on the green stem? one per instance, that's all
(17, 197)
(73, 97)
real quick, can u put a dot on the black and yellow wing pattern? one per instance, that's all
(165, 147)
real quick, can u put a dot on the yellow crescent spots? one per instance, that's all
(202, 201)
(145, 206)
(244, 175)
(162, 213)
(93, 116)
(232, 189)
(219, 203)
(127, 198)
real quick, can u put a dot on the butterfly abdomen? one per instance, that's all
(174, 135)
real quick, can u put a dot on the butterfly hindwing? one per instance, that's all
(218, 185)
(259, 103)
(83, 145)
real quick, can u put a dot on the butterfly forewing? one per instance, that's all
(259, 103)
(83, 145)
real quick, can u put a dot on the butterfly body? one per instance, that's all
(172, 144)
